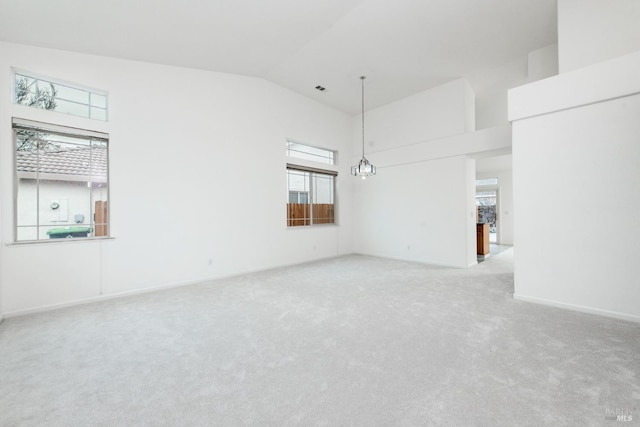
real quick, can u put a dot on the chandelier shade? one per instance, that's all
(364, 168)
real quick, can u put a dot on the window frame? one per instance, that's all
(487, 182)
(332, 155)
(70, 132)
(299, 195)
(16, 73)
(313, 172)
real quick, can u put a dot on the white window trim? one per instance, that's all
(314, 170)
(72, 85)
(67, 83)
(60, 130)
(293, 141)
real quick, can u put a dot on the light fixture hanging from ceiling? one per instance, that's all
(364, 168)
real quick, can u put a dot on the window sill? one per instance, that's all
(306, 227)
(60, 241)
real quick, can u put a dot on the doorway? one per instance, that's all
(487, 211)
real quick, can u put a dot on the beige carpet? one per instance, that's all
(349, 341)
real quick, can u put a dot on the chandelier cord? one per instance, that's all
(362, 80)
(363, 169)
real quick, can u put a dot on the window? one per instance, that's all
(62, 182)
(61, 97)
(307, 152)
(487, 208)
(487, 181)
(311, 196)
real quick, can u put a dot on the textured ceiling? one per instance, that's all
(403, 46)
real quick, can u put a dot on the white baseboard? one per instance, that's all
(155, 288)
(580, 308)
(435, 263)
(99, 298)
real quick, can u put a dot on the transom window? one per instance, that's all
(487, 181)
(307, 152)
(62, 182)
(311, 196)
(48, 94)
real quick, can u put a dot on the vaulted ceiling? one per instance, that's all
(403, 46)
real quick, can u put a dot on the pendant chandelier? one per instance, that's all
(364, 168)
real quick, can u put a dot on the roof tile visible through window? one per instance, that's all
(81, 161)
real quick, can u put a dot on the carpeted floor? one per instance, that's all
(349, 341)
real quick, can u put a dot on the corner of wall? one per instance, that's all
(470, 212)
(470, 108)
(543, 63)
(597, 30)
(569, 123)
(1, 246)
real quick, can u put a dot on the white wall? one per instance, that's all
(591, 31)
(575, 149)
(419, 212)
(491, 85)
(197, 173)
(436, 113)
(543, 63)
(421, 205)
(1, 257)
